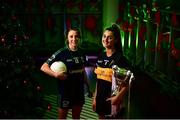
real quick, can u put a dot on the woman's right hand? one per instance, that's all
(61, 75)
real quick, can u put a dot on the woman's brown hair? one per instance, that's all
(67, 32)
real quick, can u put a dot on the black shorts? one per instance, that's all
(103, 107)
(71, 92)
(68, 102)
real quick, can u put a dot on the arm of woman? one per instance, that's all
(115, 100)
(46, 69)
(121, 94)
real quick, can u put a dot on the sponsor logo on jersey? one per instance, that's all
(104, 73)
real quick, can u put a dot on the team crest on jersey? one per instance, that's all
(106, 62)
(76, 59)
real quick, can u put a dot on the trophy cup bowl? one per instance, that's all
(121, 77)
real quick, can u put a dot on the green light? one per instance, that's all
(137, 34)
(156, 42)
(122, 38)
(129, 40)
(145, 43)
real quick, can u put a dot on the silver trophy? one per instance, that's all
(121, 76)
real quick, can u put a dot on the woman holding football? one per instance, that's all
(70, 83)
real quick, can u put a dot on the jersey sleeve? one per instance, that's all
(54, 57)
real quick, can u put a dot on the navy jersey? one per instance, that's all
(73, 86)
(104, 76)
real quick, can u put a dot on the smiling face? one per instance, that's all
(108, 39)
(73, 40)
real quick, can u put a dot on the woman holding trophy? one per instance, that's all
(109, 92)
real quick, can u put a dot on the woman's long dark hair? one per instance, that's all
(116, 31)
